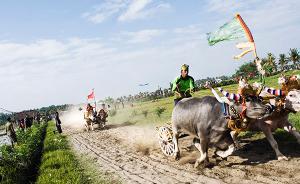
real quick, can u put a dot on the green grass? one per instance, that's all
(92, 171)
(295, 119)
(19, 164)
(59, 164)
(126, 114)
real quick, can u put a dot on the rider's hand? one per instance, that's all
(178, 94)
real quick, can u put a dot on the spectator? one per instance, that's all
(58, 123)
(10, 131)
(28, 121)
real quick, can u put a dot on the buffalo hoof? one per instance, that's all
(221, 154)
(177, 156)
(197, 164)
(282, 158)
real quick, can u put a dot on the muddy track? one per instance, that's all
(113, 153)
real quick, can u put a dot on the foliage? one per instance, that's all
(247, 70)
(109, 100)
(112, 112)
(134, 113)
(52, 109)
(270, 64)
(18, 164)
(282, 61)
(59, 164)
(294, 56)
(159, 111)
(295, 119)
(145, 113)
(3, 118)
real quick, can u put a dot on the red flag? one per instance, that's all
(91, 96)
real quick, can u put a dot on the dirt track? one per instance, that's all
(116, 152)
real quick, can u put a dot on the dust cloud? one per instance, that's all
(72, 118)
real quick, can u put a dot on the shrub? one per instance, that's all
(145, 113)
(18, 164)
(159, 111)
(134, 113)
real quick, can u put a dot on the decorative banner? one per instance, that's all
(91, 96)
(236, 29)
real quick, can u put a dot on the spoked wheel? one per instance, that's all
(165, 139)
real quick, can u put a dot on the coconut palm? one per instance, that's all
(269, 64)
(294, 57)
(282, 61)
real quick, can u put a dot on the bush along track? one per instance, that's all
(20, 164)
(59, 164)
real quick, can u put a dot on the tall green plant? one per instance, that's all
(294, 56)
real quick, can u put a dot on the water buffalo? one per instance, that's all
(278, 120)
(89, 120)
(203, 119)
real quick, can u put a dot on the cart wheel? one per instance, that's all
(165, 139)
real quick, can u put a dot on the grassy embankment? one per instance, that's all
(136, 114)
(20, 164)
(60, 165)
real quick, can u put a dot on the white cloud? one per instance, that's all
(106, 10)
(125, 10)
(223, 6)
(142, 35)
(134, 9)
(140, 9)
(190, 29)
(262, 15)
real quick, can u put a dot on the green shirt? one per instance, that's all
(181, 85)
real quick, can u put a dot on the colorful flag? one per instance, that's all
(91, 96)
(236, 29)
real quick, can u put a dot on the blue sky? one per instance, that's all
(54, 52)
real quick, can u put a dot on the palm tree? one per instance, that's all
(294, 57)
(270, 64)
(282, 61)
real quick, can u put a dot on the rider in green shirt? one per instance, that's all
(183, 85)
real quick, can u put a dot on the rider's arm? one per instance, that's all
(174, 84)
(192, 84)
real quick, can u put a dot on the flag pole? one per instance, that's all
(247, 31)
(95, 100)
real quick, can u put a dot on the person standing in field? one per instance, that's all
(27, 121)
(58, 123)
(10, 131)
(184, 85)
